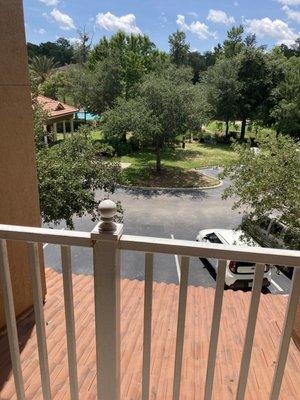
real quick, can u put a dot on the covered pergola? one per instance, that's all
(58, 113)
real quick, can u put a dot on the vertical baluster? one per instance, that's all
(252, 317)
(70, 321)
(33, 256)
(147, 325)
(11, 320)
(215, 326)
(286, 335)
(184, 269)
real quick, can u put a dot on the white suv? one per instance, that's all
(238, 273)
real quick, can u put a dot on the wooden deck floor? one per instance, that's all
(200, 301)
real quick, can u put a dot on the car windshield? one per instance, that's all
(213, 238)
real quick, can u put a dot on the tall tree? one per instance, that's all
(286, 111)
(135, 54)
(234, 44)
(254, 77)
(179, 49)
(168, 105)
(222, 89)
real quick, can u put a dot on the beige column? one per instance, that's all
(19, 202)
(55, 131)
(45, 135)
(72, 126)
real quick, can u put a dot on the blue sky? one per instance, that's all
(204, 21)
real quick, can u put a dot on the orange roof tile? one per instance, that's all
(55, 108)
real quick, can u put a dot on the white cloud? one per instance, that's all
(220, 17)
(197, 27)
(50, 2)
(111, 22)
(64, 20)
(276, 29)
(41, 31)
(292, 14)
(289, 2)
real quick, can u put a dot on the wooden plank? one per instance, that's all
(33, 257)
(70, 321)
(11, 320)
(214, 334)
(251, 324)
(184, 274)
(147, 325)
(164, 312)
(286, 335)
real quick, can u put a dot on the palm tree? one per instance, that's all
(42, 66)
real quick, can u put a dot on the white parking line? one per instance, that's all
(177, 263)
(277, 286)
(46, 244)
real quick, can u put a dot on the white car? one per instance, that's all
(238, 273)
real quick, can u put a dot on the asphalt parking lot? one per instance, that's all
(181, 214)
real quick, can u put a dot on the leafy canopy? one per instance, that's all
(69, 175)
(267, 182)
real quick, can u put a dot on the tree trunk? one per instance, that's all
(158, 161)
(227, 129)
(243, 129)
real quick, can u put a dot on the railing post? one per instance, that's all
(106, 260)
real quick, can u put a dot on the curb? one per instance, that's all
(174, 189)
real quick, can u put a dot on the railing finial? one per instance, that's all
(108, 210)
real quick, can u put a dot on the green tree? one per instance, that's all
(222, 88)
(78, 86)
(105, 85)
(42, 67)
(234, 44)
(286, 111)
(179, 49)
(254, 76)
(267, 182)
(135, 55)
(167, 106)
(55, 86)
(69, 175)
(61, 51)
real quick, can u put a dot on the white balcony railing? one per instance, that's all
(107, 242)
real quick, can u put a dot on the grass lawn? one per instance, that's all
(179, 162)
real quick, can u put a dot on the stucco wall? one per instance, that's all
(19, 203)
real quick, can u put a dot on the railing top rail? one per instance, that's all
(155, 245)
(45, 235)
(206, 250)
